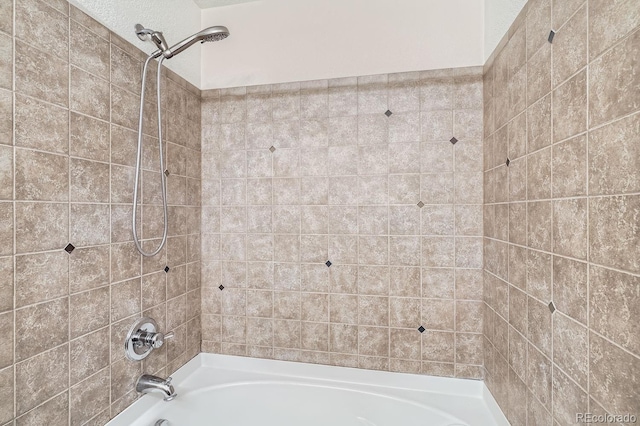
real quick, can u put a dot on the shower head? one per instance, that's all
(207, 35)
(213, 34)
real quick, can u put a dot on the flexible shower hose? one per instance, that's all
(136, 240)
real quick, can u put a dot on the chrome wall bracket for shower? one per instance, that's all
(142, 32)
(144, 337)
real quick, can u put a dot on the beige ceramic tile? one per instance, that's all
(613, 92)
(41, 276)
(41, 177)
(570, 107)
(41, 226)
(6, 18)
(570, 288)
(539, 225)
(539, 124)
(571, 348)
(539, 74)
(41, 377)
(570, 47)
(612, 313)
(568, 399)
(41, 75)
(609, 22)
(84, 361)
(612, 375)
(41, 125)
(89, 397)
(563, 10)
(87, 51)
(88, 94)
(570, 228)
(539, 271)
(612, 157)
(6, 284)
(32, 327)
(6, 355)
(89, 311)
(538, 24)
(39, 20)
(89, 138)
(612, 240)
(89, 181)
(539, 376)
(569, 168)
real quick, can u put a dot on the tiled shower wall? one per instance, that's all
(562, 223)
(342, 225)
(69, 104)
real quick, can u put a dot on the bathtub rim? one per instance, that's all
(469, 388)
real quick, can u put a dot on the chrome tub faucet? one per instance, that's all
(148, 383)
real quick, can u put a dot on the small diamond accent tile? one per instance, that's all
(508, 162)
(421, 329)
(552, 307)
(328, 263)
(453, 140)
(552, 34)
(166, 269)
(221, 287)
(69, 248)
(166, 172)
(388, 113)
(420, 204)
(272, 149)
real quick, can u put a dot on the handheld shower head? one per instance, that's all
(213, 34)
(210, 34)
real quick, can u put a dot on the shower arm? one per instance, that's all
(170, 52)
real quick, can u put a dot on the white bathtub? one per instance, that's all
(220, 390)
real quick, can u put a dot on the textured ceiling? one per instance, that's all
(206, 4)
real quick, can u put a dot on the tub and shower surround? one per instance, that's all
(342, 222)
(67, 150)
(562, 246)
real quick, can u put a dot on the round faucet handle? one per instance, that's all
(158, 339)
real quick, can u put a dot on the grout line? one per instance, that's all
(552, 241)
(111, 242)
(13, 210)
(588, 218)
(582, 261)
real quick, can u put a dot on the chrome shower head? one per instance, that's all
(210, 34)
(213, 34)
(207, 35)
(215, 37)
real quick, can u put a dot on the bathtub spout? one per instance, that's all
(148, 383)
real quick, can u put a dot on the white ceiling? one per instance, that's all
(206, 4)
